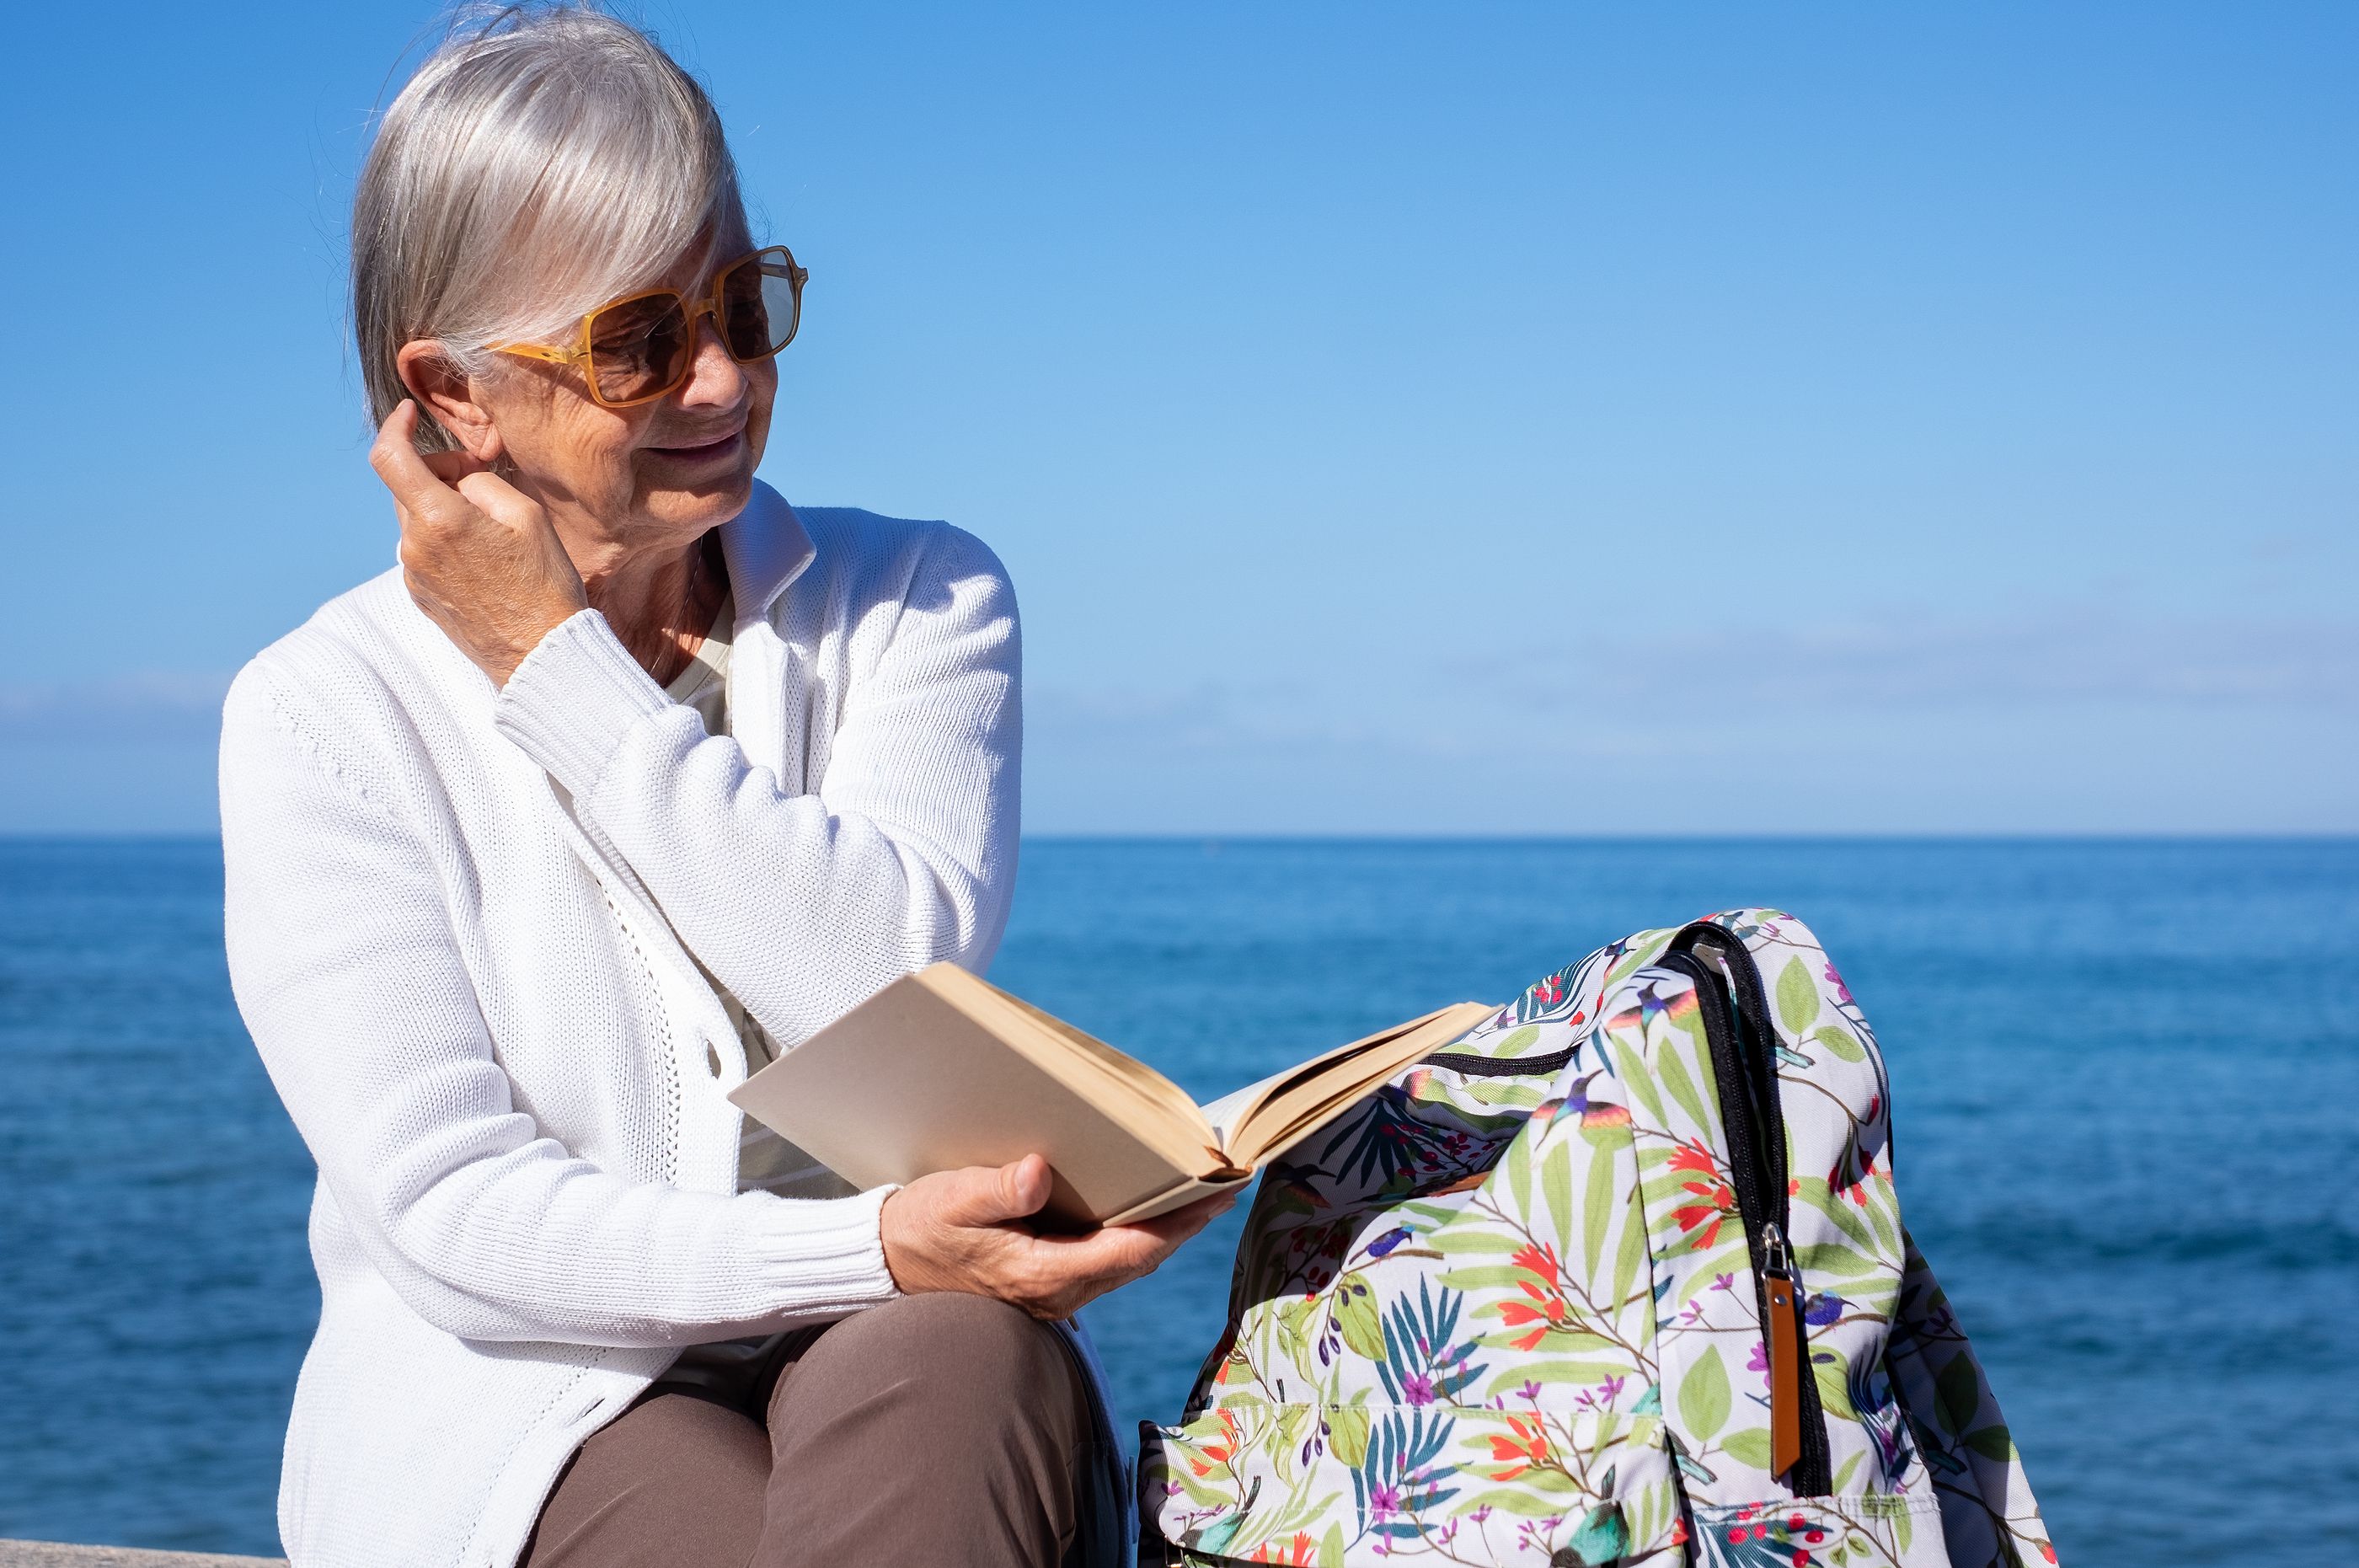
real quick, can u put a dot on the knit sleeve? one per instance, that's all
(351, 978)
(803, 905)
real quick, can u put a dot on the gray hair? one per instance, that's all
(542, 160)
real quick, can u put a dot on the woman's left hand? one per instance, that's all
(970, 1230)
(478, 554)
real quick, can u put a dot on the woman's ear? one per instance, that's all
(449, 395)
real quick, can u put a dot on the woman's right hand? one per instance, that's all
(477, 554)
(965, 1230)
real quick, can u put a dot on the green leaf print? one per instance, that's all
(1556, 1182)
(1727, 1260)
(1632, 1253)
(1557, 1374)
(1517, 1169)
(1705, 1397)
(1798, 998)
(1958, 1394)
(1470, 1234)
(1749, 1447)
(1991, 1442)
(1832, 1258)
(1834, 1389)
(1839, 1213)
(1631, 1069)
(1508, 1500)
(1514, 1042)
(1347, 1433)
(1675, 1079)
(1596, 1204)
(1837, 1040)
(1360, 1321)
(1488, 1277)
(1287, 1432)
(1503, 1092)
(1836, 1259)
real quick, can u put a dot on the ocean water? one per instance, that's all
(2125, 1076)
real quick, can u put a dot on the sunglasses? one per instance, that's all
(635, 349)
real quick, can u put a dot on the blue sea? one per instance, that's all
(2125, 1078)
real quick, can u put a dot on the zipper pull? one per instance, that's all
(1785, 1354)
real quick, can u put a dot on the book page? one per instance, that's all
(1223, 1114)
(1306, 1099)
(1228, 1112)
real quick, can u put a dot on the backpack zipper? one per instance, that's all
(1474, 1066)
(1745, 1074)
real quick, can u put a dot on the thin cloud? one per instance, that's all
(144, 706)
(2051, 660)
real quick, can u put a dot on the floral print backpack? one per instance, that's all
(1619, 1276)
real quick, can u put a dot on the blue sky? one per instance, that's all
(1556, 418)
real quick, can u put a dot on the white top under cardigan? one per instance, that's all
(443, 932)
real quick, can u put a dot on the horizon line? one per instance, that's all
(1402, 836)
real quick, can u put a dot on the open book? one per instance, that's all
(941, 1070)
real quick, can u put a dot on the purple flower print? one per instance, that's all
(1417, 1389)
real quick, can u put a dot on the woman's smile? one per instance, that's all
(708, 453)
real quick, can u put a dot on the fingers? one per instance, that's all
(452, 466)
(415, 488)
(495, 497)
(1114, 1254)
(987, 1196)
(1201, 1213)
(963, 1230)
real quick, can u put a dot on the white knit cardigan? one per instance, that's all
(455, 924)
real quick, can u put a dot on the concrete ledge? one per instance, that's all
(48, 1554)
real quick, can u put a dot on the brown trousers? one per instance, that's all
(935, 1429)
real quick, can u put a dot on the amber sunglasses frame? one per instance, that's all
(580, 352)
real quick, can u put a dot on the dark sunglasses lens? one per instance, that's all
(638, 348)
(758, 306)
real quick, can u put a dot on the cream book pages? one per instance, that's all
(941, 1070)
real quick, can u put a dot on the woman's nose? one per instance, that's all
(713, 379)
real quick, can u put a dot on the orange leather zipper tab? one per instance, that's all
(1785, 1376)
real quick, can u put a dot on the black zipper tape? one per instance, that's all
(1743, 1062)
(1475, 1066)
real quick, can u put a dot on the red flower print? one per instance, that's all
(1693, 1156)
(1218, 1453)
(1719, 1201)
(1297, 1552)
(1526, 1448)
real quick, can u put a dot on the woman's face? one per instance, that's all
(666, 470)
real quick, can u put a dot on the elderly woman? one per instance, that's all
(629, 776)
